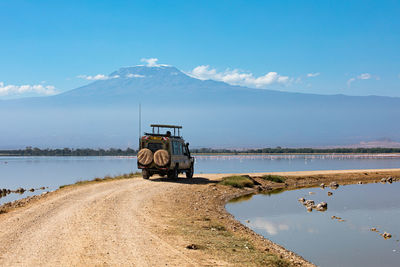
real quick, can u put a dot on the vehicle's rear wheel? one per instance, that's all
(189, 173)
(174, 173)
(145, 174)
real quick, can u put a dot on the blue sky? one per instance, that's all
(325, 47)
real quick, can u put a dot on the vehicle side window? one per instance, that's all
(175, 148)
(180, 148)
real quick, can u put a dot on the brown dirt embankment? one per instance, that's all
(157, 222)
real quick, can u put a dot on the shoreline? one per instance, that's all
(198, 216)
(379, 154)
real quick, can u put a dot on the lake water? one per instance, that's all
(52, 172)
(322, 240)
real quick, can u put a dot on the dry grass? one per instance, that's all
(198, 219)
(239, 181)
(274, 178)
(105, 179)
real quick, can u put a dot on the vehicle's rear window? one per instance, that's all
(154, 146)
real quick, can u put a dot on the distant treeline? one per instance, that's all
(29, 151)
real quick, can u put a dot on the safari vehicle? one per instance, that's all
(164, 153)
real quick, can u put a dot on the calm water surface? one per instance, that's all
(35, 172)
(323, 240)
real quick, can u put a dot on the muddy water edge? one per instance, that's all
(334, 240)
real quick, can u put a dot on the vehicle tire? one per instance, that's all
(189, 173)
(145, 156)
(145, 174)
(173, 174)
(161, 157)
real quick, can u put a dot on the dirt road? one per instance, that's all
(136, 222)
(105, 224)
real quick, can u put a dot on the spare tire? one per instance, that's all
(161, 157)
(145, 156)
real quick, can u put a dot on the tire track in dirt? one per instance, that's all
(105, 224)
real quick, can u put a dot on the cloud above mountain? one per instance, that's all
(39, 89)
(237, 77)
(362, 76)
(98, 77)
(152, 62)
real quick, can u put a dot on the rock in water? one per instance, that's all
(334, 185)
(20, 190)
(323, 206)
(302, 199)
(309, 203)
(386, 235)
(330, 193)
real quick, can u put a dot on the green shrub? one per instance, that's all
(237, 181)
(274, 178)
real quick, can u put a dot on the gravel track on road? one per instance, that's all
(104, 224)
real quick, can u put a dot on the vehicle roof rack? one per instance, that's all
(175, 128)
(165, 126)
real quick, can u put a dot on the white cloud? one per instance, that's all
(97, 77)
(236, 77)
(350, 81)
(313, 74)
(40, 89)
(362, 76)
(151, 62)
(131, 75)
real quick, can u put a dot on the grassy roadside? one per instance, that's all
(273, 178)
(105, 179)
(199, 217)
(238, 181)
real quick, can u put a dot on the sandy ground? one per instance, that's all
(136, 222)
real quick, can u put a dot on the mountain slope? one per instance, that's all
(104, 114)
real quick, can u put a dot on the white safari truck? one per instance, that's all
(164, 152)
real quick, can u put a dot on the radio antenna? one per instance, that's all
(140, 119)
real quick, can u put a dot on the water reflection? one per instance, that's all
(340, 236)
(270, 227)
